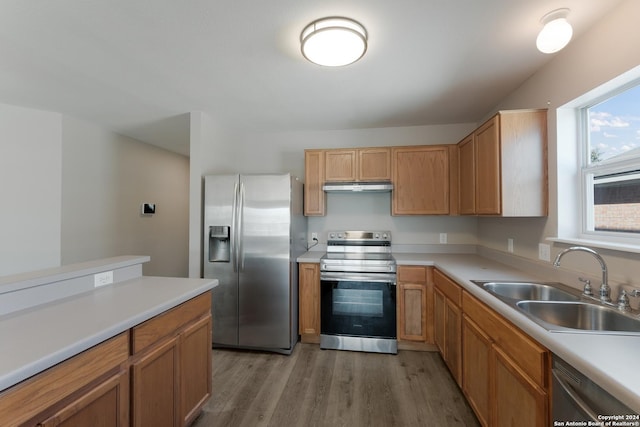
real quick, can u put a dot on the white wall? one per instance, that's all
(225, 151)
(609, 49)
(105, 179)
(30, 189)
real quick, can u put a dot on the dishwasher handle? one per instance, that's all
(573, 395)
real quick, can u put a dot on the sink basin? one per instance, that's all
(580, 316)
(520, 291)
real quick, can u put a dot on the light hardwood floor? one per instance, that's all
(314, 387)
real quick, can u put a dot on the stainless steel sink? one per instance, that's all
(580, 317)
(520, 291)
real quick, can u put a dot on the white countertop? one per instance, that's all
(609, 360)
(40, 337)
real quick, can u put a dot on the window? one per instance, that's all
(611, 165)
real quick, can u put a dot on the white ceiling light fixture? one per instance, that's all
(333, 41)
(556, 33)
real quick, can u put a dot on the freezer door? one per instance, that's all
(264, 286)
(220, 198)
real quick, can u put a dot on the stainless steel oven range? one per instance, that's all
(358, 292)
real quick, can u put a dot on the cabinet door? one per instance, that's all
(466, 177)
(518, 401)
(452, 339)
(374, 164)
(412, 312)
(476, 369)
(488, 168)
(340, 165)
(314, 197)
(438, 319)
(309, 300)
(420, 180)
(155, 387)
(195, 368)
(105, 405)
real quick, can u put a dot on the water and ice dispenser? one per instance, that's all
(219, 243)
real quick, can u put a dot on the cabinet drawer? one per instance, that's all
(413, 274)
(170, 321)
(532, 358)
(448, 287)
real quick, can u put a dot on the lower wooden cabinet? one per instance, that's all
(154, 386)
(476, 368)
(309, 302)
(105, 405)
(415, 304)
(195, 368)
(171, 372)
(448, 322)
(73, 390)
(504, 372)
(517, 400)
(155, 374)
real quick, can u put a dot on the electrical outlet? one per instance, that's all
(101, 279)
(314, 236)
(510, 245)
(544, 252)
(443, 237)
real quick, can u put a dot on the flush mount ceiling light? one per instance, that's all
(556, 32)
(333, 41)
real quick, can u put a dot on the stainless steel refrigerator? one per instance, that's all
(254, 229)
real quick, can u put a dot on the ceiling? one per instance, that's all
(138, 67)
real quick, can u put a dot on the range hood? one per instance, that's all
(368, 187)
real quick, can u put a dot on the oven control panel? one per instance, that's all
(381, 236)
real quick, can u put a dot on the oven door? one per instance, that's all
(358, 305)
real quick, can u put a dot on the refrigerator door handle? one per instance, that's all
(234, 228)
(239, 228)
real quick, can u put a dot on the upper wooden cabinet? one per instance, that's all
(358, 164)
(420, 180)
(502, 166)
(466, 176)
(421, 176)
(374, 164)
(314, 197)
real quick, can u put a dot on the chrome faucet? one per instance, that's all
(605, 290)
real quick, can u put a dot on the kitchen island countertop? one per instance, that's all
(41, 336)
(609, 360)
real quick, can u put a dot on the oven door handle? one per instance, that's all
(360, 277)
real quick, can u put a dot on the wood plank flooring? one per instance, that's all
(314, 387)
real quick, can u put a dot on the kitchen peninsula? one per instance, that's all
(99, 339)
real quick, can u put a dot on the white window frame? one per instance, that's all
(573, 154)
(589, 170)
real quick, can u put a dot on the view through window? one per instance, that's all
(612, 168)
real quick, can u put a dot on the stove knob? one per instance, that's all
(384, 236)
(332, 235)
(376, 236)
(339, 235)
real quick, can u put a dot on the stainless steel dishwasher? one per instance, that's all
(577, 398)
